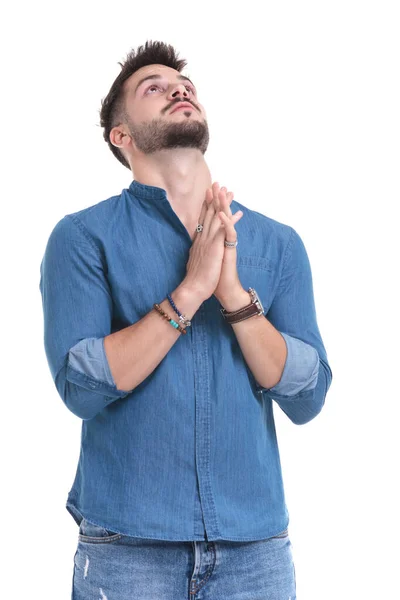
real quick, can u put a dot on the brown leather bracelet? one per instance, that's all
(251, 310)
(245, 313)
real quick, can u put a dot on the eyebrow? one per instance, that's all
(182, 77)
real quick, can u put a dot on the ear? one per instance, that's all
(120, 137)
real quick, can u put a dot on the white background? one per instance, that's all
(303, 105)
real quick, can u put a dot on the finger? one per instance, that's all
(210, 213)
(215, 191)
(229, 233)
(204, 209)
(226, 224)
(225, 199)
(200, 221)
(213, 203)
(237, 216)
(229, 223)
(209, 195)
(216, 223)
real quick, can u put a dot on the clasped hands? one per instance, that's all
(229, 287)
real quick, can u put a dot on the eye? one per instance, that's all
(153, 86)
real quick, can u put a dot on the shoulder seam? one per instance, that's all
(84, 231)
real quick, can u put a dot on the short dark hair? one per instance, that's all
(112, 111)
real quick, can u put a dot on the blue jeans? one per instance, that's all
(112, 566)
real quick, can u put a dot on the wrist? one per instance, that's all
(187, 299)
(236, 300)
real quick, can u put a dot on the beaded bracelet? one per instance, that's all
(164, 314)
(184, 321)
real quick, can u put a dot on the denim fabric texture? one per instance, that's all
(109, 566)
(191, 453)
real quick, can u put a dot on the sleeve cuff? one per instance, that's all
(88, 367)
(300, 372)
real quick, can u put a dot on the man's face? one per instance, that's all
(152, 121)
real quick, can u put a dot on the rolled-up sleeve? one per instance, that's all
(300, 372)
(77, 312)
(88, 357)
(306, 376)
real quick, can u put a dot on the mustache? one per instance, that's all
(178, 102)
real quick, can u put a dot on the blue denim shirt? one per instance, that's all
(191, 452)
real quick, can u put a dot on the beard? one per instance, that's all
(159, 134)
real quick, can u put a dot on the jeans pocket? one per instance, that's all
(96, 534)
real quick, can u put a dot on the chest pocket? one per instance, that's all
(259, 273)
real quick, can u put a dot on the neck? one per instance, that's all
(183, 174)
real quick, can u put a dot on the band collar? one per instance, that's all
(147, 192)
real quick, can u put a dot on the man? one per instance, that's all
(173, 317)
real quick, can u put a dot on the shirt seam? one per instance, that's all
(85, 232)
(285, 257)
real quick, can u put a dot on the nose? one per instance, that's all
(179, 89)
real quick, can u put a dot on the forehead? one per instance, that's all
(162, 70)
